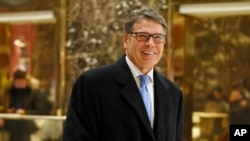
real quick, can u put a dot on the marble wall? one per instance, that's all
(94, 38)
(94, 33)
(218, 55)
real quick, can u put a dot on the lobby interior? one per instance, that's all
(57, 40)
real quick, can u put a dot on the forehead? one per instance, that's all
(148, 25)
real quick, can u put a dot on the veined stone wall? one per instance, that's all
(94, 33)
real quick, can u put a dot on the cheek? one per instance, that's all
(160, 50)
(131, 50)
(132, 47)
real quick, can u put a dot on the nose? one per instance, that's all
(150, 40)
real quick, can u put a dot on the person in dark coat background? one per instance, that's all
(106, 104)
(22, 100)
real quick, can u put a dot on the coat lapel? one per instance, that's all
(131, 93)
(162, 106)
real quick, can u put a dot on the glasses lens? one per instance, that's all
(142, 36)
(159, 38)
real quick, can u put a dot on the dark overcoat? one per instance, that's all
(106, 105)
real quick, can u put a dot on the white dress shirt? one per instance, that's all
(136, 72)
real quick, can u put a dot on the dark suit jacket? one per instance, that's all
(106, 105)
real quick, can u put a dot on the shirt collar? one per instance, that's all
(136, 72)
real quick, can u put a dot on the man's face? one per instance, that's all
(144, 54)
(20, 83)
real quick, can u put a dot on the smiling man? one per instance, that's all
(128, 100)
(144, 43)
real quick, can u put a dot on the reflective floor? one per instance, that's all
(47, 128)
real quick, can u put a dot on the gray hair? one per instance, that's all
(146, 12)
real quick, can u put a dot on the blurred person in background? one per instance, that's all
(50, 130)
(239, 107)
(22, 100)
(216, 101)
(239, 103)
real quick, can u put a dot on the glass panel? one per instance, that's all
(30, 127)
(27, 47)
(217, 70)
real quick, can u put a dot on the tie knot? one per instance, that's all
(144, 79)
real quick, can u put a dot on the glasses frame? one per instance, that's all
(135, 34)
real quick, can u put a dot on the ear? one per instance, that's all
(125, 40)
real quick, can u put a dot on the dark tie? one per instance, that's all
(145, 93)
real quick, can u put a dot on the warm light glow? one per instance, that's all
(215, 9)
(19, 43)
(34, 16)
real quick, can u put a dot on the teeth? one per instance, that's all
(149, 53)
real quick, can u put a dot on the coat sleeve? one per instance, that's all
(36, 105)
(83, 113)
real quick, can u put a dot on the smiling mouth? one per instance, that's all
(149, 53)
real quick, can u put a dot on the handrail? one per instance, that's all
(211, 114)
(197, 116)
(33, 117)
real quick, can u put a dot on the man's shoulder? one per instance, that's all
(103, 70)
(99, 70)
(97, 73)
(166, 81)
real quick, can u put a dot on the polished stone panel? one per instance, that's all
(94, 34)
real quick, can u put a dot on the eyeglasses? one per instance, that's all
(144, 36)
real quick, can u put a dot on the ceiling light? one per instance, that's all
(215, 9)
(35, 16)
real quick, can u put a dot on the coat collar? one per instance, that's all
(131, 94)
